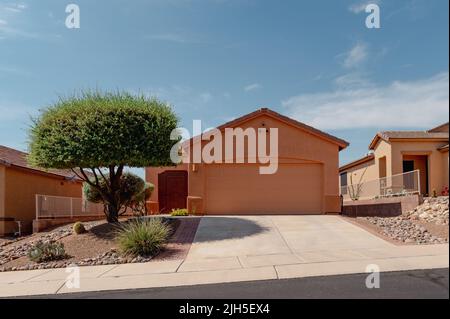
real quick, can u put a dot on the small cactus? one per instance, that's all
(47, 251)
(78, 228)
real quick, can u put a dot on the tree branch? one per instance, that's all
(95, 175)
(78, 175)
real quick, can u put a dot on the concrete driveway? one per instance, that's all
(256, 241)
(236, 249)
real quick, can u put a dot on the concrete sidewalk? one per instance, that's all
(245, 249)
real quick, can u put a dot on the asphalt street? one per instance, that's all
(398, 285)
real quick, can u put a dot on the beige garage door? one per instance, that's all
(240, 189)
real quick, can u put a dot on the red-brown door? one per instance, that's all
(172, 190)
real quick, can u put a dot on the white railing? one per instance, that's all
(391, 186)
(66, 207)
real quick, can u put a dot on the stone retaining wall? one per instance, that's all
(383, 207)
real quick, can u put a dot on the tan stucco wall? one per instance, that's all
(383, 150)
(21, 188)
(2, 191)
(368, 171)
(445, 164)
(296, 146)
(436, 180)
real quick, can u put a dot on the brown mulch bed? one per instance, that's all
(181, 240)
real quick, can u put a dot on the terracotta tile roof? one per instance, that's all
(12, 157)
(388, 135)
(440, 128)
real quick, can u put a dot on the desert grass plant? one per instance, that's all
(47, 251)
(179, 212)
(142, 236)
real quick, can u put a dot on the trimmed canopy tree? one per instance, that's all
(97, 135)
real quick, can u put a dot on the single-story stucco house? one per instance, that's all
(19, 184)
(306, 181)
(397, 152)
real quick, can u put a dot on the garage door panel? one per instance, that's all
(240, 189)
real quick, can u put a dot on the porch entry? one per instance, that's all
(172, 190)
(420, 163)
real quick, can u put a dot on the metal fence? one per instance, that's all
(391, 186)
(66, 207)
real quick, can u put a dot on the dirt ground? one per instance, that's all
(101, 239)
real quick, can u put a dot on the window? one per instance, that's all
(344, 183)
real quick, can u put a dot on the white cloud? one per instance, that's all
(169, 37)
(13, 7)
(356, 56)
(181, 97)
(179, 38)
(421, 103)
(13, 111)
(352, 80)
(206, 97)
(252, 87)
(6, 70)
(9, 13)
(359, 7)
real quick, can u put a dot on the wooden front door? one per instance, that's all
(172, 190)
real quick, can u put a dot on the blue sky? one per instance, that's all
(215, 60)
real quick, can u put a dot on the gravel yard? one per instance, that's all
(427, 224)
(96, 247)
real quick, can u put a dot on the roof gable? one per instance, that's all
(265, 111)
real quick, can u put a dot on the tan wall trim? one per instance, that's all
(416, 152)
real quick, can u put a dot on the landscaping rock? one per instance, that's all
(406, 229)
(433, 210)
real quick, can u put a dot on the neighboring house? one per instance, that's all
(398, 152)
(19, 184)
(306, 181)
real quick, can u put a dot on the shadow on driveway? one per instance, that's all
(222, 228)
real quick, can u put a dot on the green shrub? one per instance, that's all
(179, 212)
(143, 237)
(130, 186)
(78, 228)
(47, 251)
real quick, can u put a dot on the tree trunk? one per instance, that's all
(112, 213)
